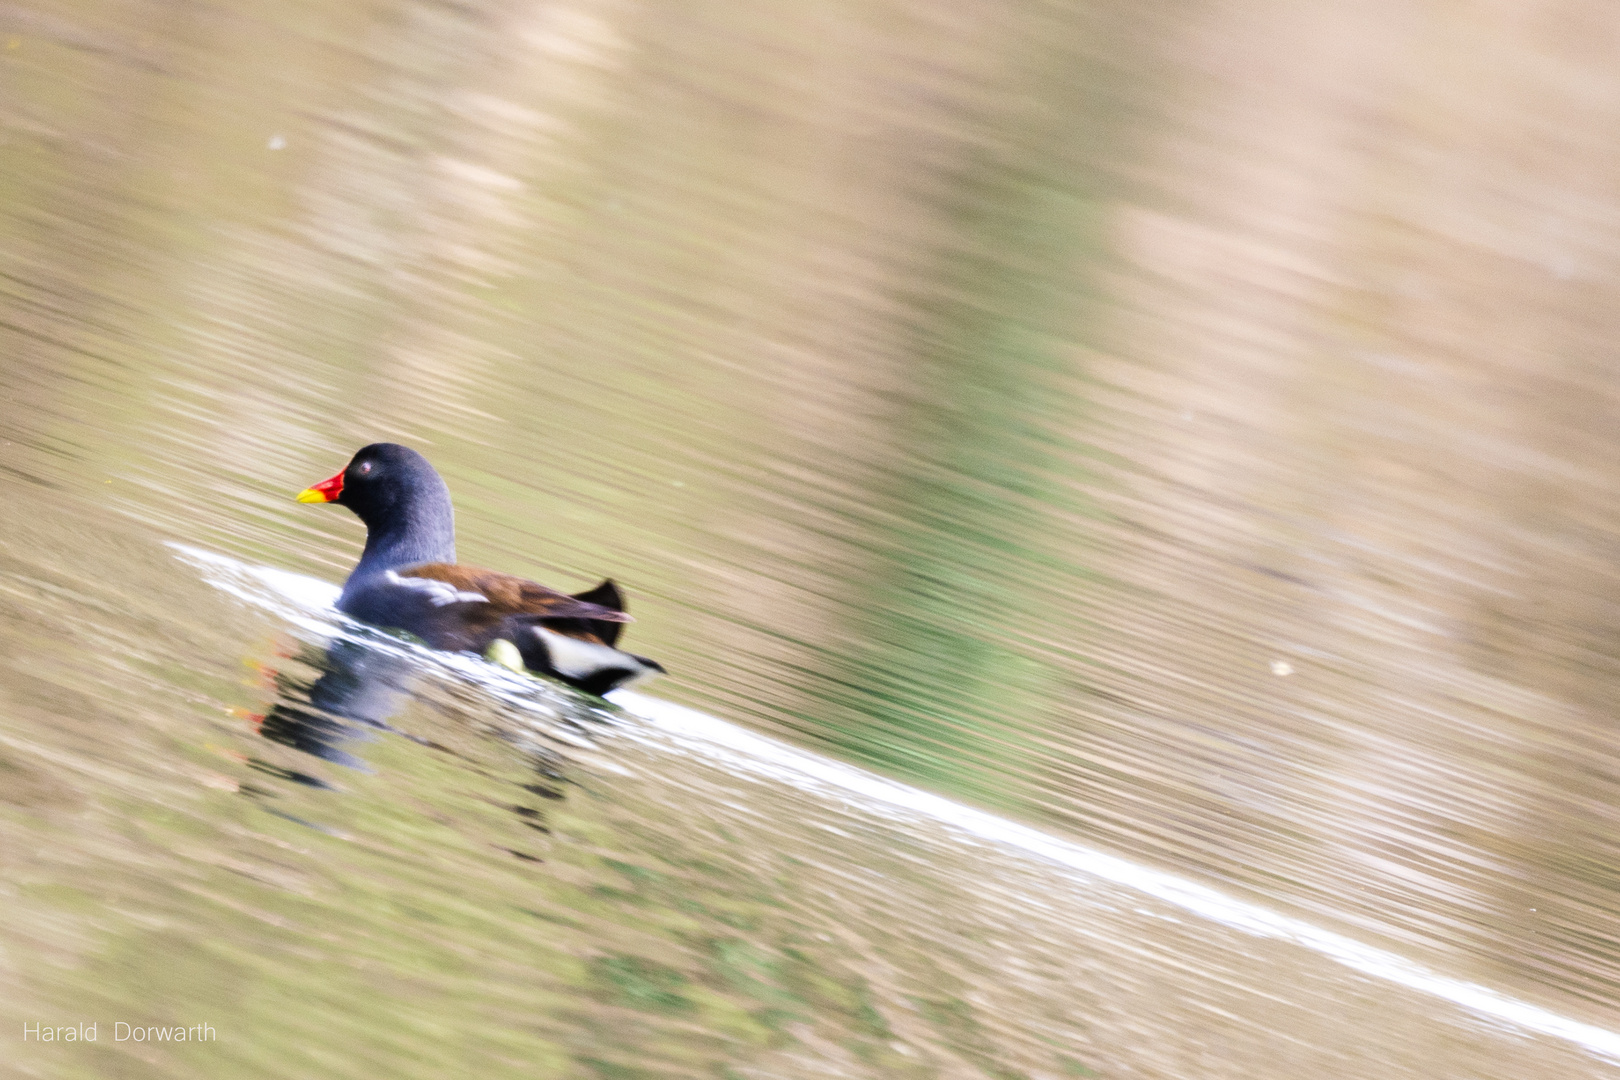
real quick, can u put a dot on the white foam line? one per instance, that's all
(767, 757)
(294, 596)
(300, 596)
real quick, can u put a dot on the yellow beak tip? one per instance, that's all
(310, 495)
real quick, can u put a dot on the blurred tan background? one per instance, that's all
(1187, 426)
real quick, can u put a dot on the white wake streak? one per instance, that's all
(308, 603)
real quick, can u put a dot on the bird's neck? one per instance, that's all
(426, 534)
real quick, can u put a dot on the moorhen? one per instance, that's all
(408, 579)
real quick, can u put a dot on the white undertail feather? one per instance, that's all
(577, 659)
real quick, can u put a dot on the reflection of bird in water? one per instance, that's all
(360, 687)
(408, 579)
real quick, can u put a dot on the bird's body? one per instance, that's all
(408, 579)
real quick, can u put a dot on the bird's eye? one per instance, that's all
(365, 467)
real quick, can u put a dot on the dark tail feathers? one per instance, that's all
(604, 595)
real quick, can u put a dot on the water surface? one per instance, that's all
(1185, 431)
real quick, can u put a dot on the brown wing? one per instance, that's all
(509, 595)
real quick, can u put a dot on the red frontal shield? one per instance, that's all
(325, 491)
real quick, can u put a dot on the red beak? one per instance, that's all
(325, 491)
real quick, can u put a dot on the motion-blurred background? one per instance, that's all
(1188, 427)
